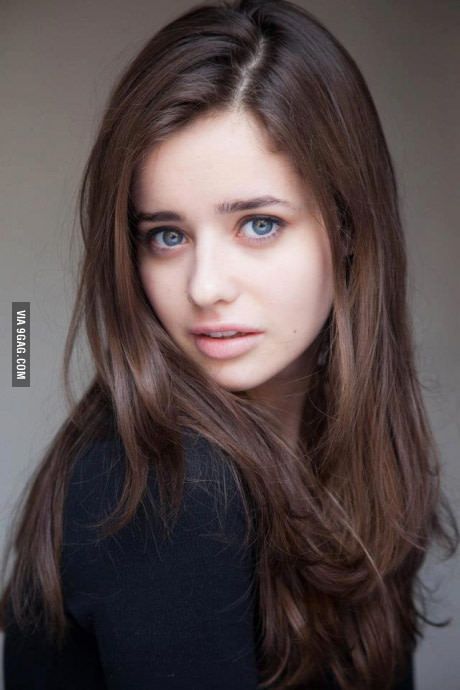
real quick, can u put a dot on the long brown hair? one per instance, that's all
(342, 523)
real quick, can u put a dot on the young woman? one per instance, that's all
(246, 492)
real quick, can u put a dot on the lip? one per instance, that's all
(217, 327)
(226, 348)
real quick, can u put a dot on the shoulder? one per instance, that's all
(176, 612)
(97, 474)
(207, 539)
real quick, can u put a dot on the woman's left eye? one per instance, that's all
(262, 227)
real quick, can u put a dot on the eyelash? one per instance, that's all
(146, 237)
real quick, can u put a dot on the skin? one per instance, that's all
(212, 268)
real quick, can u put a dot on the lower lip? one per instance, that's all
(222, 348)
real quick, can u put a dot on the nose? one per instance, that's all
(211, 278)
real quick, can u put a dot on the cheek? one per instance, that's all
(145, 276)
(302, 285)
(161, 293)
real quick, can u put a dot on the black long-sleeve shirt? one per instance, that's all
(148, 613)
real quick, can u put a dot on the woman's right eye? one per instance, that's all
(170, 238)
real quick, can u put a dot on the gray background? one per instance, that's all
(58, 61)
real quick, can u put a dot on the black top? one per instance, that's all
(148, 613)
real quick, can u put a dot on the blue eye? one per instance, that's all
(172, 236)
(168, 232)
(267, 224)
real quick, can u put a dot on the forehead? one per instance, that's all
(216, 156)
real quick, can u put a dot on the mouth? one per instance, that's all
(226, 347)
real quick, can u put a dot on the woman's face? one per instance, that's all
(264, 265)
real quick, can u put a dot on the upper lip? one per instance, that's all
(216, 327)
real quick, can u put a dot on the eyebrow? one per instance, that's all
(221, 208)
